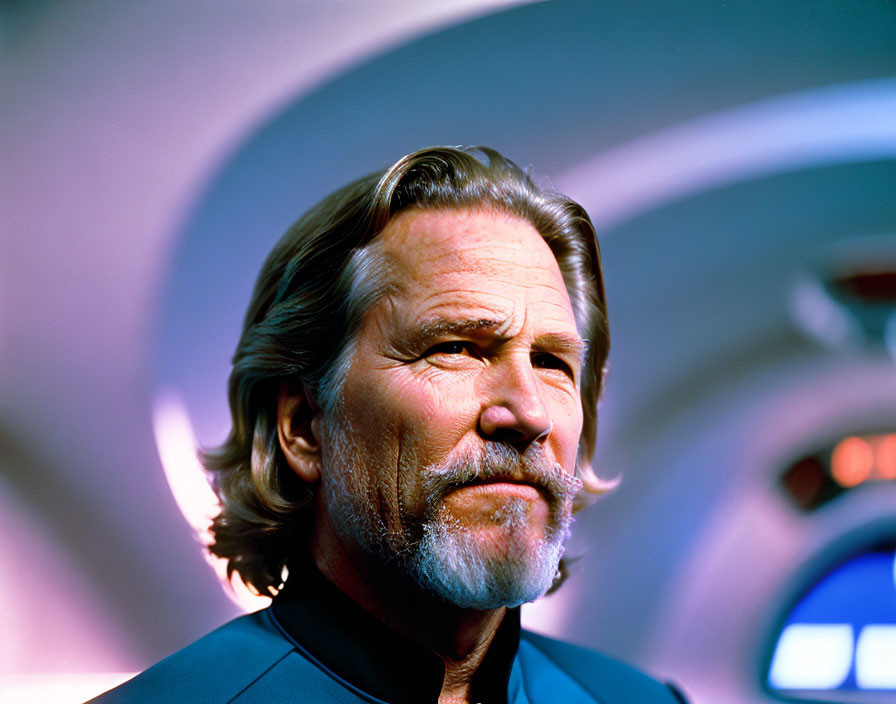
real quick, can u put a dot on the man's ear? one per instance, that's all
(298, 429)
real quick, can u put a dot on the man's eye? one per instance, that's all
(549, 361)
(451, 348)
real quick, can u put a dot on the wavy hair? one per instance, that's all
(302, 323)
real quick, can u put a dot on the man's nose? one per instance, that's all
(514, 411)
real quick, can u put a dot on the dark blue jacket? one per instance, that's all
(251, 661)
(315, 644)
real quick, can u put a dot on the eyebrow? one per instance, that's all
(562, 343)
(440, 326)
(552, 342)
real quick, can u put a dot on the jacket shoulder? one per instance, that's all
(211, 670)
(608, 680)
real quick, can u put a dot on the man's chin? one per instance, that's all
(486, 567)
(495, 544)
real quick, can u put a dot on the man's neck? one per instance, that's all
(460, 637)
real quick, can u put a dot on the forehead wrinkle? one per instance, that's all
(467, 303)
(534, 292)
(506, 315)
(469, 261)
(560, 306)
(481, 249)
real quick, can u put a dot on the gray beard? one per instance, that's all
(437, 551)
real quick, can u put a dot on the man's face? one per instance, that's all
(452, 450)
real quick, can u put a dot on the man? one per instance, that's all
(414, 413)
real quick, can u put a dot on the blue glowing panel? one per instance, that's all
(860, 591)
(841, 636)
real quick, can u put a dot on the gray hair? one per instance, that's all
(302, 323)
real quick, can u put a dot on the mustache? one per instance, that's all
(501, 461)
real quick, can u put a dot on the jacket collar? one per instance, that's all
(352, 644)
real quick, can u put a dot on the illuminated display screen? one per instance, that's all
(839, 641)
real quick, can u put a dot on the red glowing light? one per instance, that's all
(851, 461)
(885, 457)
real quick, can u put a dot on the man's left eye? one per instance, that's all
(550, 361)
(451, 348)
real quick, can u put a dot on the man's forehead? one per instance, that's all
(463, 265)
(444, 241)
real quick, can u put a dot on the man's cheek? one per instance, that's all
(566, 434)
(438, 416)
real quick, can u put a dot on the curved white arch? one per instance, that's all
(846, 122)
(189, 485)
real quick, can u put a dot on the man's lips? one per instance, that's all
(504, 486)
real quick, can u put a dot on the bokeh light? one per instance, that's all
(851, 461)
(885, 457)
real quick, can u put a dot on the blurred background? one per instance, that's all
(739, 160)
